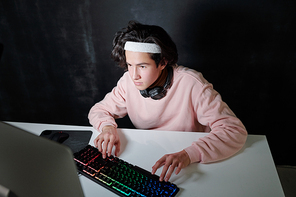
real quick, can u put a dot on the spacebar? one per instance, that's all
(146, 173)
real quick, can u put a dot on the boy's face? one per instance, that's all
(142, 69)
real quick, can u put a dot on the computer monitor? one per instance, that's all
(34, 166)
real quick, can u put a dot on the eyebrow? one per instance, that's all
(139, 64)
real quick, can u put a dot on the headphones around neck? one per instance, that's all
(159, 92)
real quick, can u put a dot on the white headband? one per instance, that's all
(142, 47)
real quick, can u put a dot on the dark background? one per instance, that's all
(56, 62)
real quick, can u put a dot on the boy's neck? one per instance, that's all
(161, 79)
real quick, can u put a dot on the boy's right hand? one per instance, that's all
(106, 140)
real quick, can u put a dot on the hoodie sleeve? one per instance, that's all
(227, 133)
(111, 107)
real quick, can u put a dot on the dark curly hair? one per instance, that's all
(138, 32)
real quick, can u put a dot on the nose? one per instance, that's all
(134, 73)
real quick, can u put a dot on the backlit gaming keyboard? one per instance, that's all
(119, 176)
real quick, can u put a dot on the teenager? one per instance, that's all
(158, 94)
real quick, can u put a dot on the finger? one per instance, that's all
(168, 162)
(110, 146)
(178, 169)
(169, 173)
(158, 164)
(96, 142)
(104, 148)
(164, 171)
(117, 148)
(99, 144)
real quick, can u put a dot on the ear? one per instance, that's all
(163, 63)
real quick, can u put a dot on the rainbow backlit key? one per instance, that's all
(120, 176)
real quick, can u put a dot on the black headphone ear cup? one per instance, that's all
(144, 93)
(155, 91)
(159, 95)
(158, 92)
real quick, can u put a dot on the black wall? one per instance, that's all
(56, 58)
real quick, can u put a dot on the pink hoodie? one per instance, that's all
(191, 104)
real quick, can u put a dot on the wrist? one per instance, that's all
(108, 127)
(186, 155)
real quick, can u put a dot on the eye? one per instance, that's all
(142, 66)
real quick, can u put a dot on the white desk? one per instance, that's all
(250, 173)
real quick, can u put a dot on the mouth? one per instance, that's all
(138, 83)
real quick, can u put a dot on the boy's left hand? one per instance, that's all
(169, 162)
